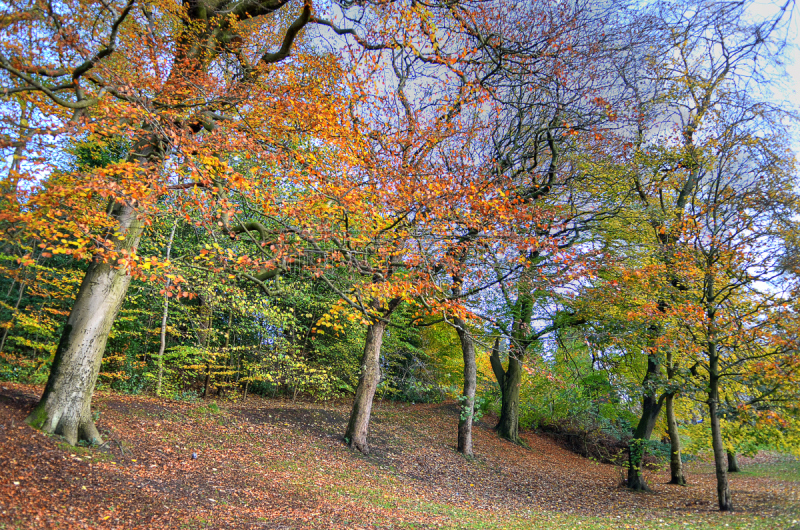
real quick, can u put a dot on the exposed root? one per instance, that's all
(359, 445)
(58, 422)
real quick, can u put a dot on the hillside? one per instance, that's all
(276, 464)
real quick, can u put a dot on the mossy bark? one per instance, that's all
(65, 406)
(508, 425)
(468, 394)
(675, 462)
(651, 407)
(733, 463)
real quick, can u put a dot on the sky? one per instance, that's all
(791, 85)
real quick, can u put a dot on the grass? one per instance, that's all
(468, 518)
(788, 470)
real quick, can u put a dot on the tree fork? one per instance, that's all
(508, 425)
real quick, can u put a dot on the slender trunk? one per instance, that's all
(733, 463)
(675, 464)
(65, 406)
(11, 183)
(11, 287)
(651, 406)
(207, 381)
(227, 378)
(204, 333)
(358, 427)
(163, 344)
(720, 455)
(13, 317)
(468, 395)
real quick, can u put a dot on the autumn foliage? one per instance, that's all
(574, 216)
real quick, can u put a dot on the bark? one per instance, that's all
(470, 383)
(163, 344)
(65, 406)
(509, 382)
(508, 425)
(651, 406)
(13, 316)
(720, 454)
(358, 427)
(221, 388)
(207, 381)
(675, 464)
(497, 364)
(205, 331)
(733, 463)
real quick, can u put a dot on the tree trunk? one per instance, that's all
(468, 395)
(358, 427)
(204, 332)
(10, 324)
(65, 406)
(675, 464)
(163, 343)
(733, 464)
(508, 426)
(162, 346)
(720, 460)
(207, 381)
(227, 378)
(651, 406)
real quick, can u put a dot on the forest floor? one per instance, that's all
(277, 464)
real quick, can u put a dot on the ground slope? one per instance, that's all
(277, 464)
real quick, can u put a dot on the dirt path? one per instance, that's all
(274, 464)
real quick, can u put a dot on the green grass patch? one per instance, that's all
(788, 470)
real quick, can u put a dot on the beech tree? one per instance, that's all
(679, 99)
(140, 72)
(735, 243)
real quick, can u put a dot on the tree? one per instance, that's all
(547, 73)
(688, 93)
(80, 83)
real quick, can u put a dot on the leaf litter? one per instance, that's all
(278, 464)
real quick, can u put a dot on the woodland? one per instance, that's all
(398, 264)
